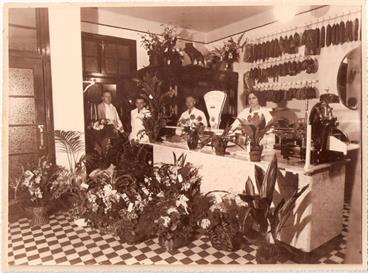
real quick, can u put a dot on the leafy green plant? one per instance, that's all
(255, 128)
(268, 222)
(70, 143)
(158, 101)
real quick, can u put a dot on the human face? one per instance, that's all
(190, 102)
(106, 98)
(253, 101)
(140, 104)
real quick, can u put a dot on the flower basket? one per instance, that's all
(225, 237)
(174, 240)
(38, 215)
(127, 232)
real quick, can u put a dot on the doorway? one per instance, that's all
(30, 116)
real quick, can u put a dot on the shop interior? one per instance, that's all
(246, 95)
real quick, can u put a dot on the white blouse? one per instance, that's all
(244, 114)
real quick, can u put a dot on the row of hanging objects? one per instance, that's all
(314, 36)
(290, 68)
(272, 49)
(278, 92)
(332, 34)
(279, 95)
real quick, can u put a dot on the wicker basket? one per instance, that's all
(39, 216)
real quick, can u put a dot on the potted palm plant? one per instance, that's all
(255, 128)
(158, 101)
(268, 221)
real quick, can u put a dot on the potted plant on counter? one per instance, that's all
(255, 128)
(192, 127)
(268, 220)
(219, 142)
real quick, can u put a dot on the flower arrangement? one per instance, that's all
(229, 53)
(255, 127)
(224, 221)
(159, 101)
(161, 47)
(34, 189)
(174, 228)
(34, 186)
(178, 178)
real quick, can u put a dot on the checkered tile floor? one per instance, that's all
(62, 242)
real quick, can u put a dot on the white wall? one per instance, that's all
(329, 59)
(66, 71)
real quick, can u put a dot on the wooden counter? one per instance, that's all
(317, 216)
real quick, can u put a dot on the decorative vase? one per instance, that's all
(255, 153)
(193, 139)
(39, 216)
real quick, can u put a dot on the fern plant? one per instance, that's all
(70, 143)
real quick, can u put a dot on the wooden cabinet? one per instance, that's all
(197, 80)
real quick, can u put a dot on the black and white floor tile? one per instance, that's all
(61, 242)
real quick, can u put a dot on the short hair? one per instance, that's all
(140, 98)
(191, 96)
(106, 91)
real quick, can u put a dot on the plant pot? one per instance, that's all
(38, 215)
(155, 60)
(193, 139)
(255, 153)
(220, 147)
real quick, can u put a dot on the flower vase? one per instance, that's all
(39, 216)
(193, 139)
(255, 153)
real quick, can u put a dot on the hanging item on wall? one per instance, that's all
(312, 38)
(290, 68)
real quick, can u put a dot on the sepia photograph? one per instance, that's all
(228, 135)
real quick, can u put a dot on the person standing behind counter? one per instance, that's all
(136, 121)
(106, 110)
(254, 108)
(190, 103)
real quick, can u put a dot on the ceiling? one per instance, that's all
(200, 18)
